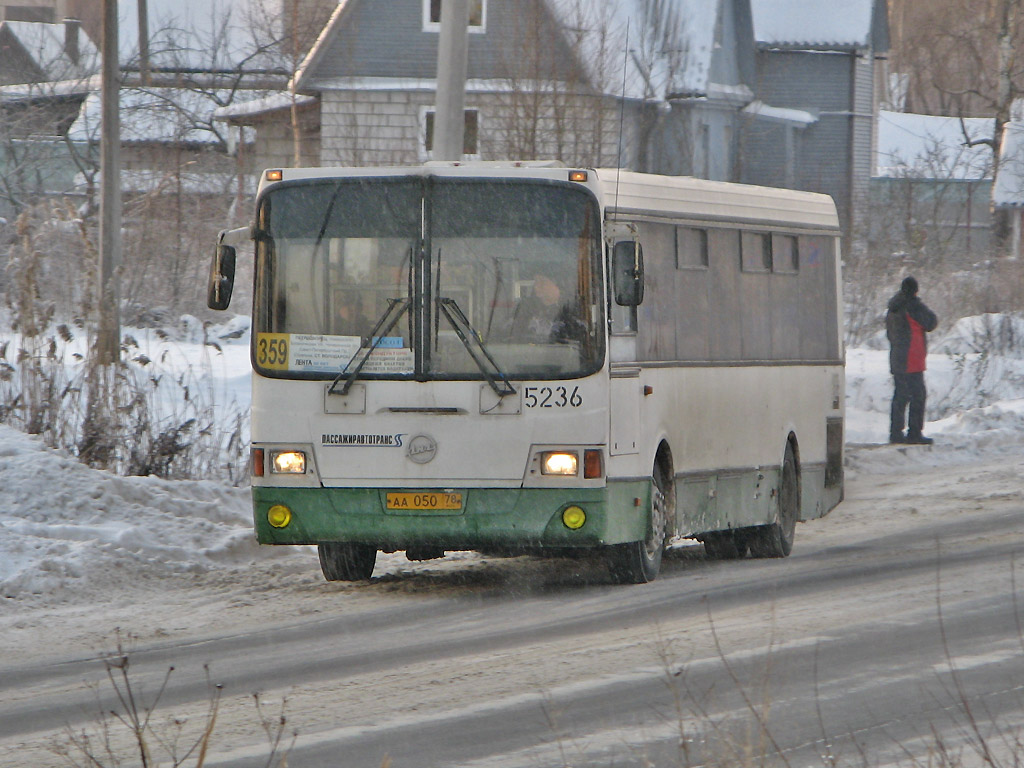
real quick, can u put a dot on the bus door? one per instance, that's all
(627, 277)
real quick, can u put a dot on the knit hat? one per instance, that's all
(909, 286)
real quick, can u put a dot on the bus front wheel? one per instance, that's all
(776, 539)
(346, 560)
(639, 562)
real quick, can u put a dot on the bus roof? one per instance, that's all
(632, 193)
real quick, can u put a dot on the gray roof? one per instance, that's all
(668, 55)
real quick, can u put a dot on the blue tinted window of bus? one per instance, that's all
(356, 208)
(490, 208)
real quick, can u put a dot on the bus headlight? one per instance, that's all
(288, 462)
(559, 463)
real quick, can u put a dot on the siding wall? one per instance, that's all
(831, 152)
(375, 127)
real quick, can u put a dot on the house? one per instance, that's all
(931, 187)
(822, 65)
(644, 85)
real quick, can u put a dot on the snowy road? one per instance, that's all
(894, 628)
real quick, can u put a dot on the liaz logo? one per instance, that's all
(422, 449)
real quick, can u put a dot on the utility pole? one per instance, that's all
(143, 7)
(452, 63)
(108, 347)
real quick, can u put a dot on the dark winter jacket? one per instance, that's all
(906, 323)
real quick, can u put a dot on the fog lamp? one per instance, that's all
(573, 518)
(288, 462)
(279, 516)
(558, 463)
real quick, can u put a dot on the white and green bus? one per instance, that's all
(529, 358)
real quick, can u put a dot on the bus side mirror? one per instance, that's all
(628, 273)
(222, 277)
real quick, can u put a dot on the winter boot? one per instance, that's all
(917, 438)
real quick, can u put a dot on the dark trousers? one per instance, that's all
(909, 390)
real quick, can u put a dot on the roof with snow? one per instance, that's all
(668, 52)
(158, 115)
(1008, 191)
(272, 103)
(62, 51)
(821, 24)
(932, 147)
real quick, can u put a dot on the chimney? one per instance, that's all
(71, 30)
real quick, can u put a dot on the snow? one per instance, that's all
(45, 43)
(932, 147)
(74, 535)
(654, 68)
(799, 22)
(167, 115)
(1009, 186)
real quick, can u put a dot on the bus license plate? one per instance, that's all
(425, 500)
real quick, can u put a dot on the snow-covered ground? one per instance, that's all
(71, 535)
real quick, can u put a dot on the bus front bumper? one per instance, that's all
(489, 518)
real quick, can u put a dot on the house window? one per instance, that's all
(432, 15)
(470, 133)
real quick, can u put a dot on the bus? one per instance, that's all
(529, 358)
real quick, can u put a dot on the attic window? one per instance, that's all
(432, 15)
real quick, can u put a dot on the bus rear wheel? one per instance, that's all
(639, 562)
(776, 539)
(346, 560)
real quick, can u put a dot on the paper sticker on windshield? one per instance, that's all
(326, 354)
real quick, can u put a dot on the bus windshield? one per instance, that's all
(434, 275)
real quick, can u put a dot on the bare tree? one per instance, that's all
(960, 59)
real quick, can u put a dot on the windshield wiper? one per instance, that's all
(396, 308)
(475, 346)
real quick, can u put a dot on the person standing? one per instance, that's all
(907, 321)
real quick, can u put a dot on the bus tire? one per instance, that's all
(639, 562)
(776, 539)
(346, 560)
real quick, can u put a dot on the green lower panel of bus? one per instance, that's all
(485, 517)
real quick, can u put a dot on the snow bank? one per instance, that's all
(64, 525)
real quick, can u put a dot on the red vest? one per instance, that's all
(917, 351)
